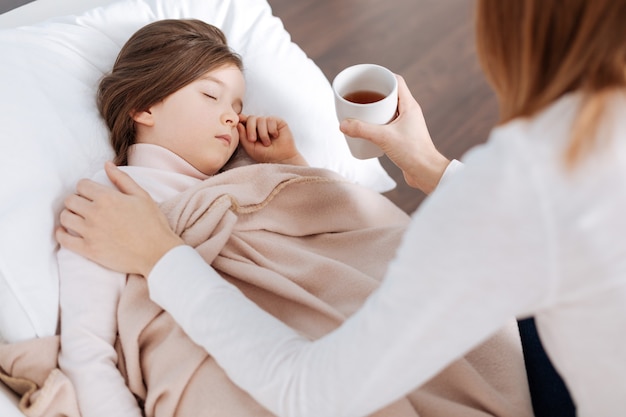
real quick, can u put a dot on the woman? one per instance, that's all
(533, 226)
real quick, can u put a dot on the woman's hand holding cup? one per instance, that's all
(405, 140)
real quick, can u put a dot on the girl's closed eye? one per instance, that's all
(210, 96)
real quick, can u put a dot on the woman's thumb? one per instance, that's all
(359, 129)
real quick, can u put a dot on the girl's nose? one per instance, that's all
(230, 118)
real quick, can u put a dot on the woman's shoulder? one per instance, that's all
(552, 128)
(549, 127)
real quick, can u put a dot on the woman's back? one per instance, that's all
(583, 318)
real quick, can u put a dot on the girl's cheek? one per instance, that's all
(235, 137)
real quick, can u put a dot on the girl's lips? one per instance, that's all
(225, 138)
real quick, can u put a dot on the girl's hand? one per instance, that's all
(268, 139)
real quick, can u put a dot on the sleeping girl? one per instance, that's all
(173, 104)
(295, 239)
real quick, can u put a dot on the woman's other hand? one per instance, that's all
(122, 230)
(268, 139)
(406, 142)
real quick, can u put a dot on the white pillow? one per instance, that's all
(51, 134)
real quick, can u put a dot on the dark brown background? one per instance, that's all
(429, 42)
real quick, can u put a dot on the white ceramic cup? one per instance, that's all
(366, 78)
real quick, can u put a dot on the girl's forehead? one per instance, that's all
(217, 74)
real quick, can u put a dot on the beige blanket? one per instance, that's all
(308, 247)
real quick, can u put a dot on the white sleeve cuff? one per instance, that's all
(453, 167)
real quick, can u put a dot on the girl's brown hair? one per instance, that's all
(156, 61)
(535, 51)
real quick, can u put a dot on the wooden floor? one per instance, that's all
(429, 42)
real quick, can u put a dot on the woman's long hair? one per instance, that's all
(159, 59)
(535, 51)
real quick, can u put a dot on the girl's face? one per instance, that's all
(199, 121)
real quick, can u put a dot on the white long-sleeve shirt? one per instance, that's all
(516, 234)
(89, 296)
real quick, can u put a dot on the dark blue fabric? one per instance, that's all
(550, 397)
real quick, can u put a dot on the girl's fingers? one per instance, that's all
(258, 128)
(251, 122)
(263, 133)
(241, 129)
(272, 127)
